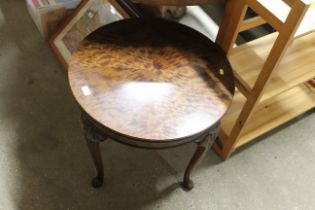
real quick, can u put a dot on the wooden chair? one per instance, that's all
(269, 71)
(150, 83)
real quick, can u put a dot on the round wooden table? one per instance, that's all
(150, 83)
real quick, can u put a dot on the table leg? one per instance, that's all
(94, 148)
(93, 138)
(202, 148)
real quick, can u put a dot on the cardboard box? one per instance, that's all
(48, 14)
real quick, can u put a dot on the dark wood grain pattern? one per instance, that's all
(152, 80)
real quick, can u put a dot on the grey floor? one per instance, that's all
(44, 162)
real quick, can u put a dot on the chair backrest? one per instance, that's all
(284, 20)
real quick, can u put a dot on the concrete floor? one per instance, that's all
(45, 163)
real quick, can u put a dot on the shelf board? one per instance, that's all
(270, 113)
(297, 66)
(281, 11)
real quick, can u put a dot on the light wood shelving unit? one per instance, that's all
(271, 72)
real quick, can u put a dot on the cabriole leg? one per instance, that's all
(202, 148)
(94, 148)
(93, 137)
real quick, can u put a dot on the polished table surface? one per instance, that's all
(150, 83)
(161, 83)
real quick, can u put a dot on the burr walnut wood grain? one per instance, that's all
(152, 80)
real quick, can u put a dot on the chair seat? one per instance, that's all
(151, 80)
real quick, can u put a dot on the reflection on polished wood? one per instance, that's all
(165, 82)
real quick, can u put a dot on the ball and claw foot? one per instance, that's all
(188, 185)
(97, 182)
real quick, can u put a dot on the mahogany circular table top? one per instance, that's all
(151, 79)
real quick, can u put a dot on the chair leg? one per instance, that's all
(94, 148)
(200, 152)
